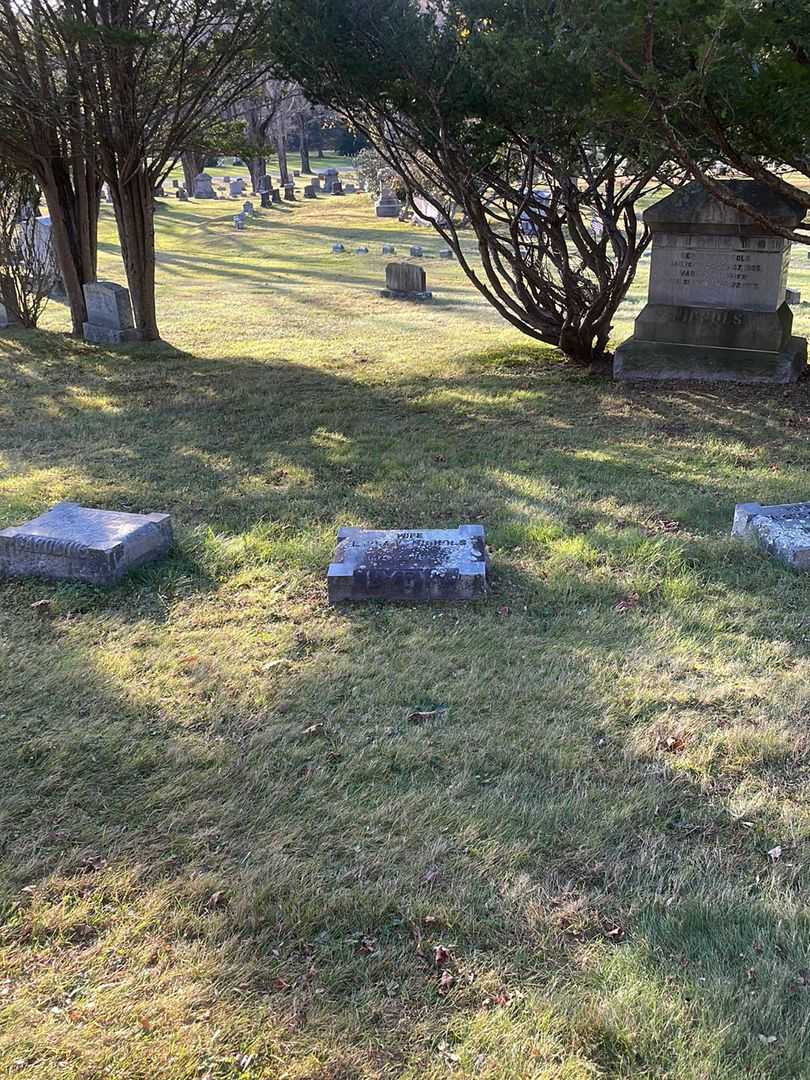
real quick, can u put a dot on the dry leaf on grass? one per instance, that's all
(626, 603)
(445, 982)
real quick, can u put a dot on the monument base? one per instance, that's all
(395, 294)
(106, 335)
(659, 360)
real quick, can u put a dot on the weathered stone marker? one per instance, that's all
(76, 543)
(404, 281)
(265, 199)
(203, 187)
(782, 530)
(182, 194)
(248, 208)
(235, 188)
(387, 205)
(389, 249)
(416, 251)
(309, 192)
(275, 195)
(338, 249)
(409, 564)
(109, 314)
(239, 221)
(716, 308)
(289, 192)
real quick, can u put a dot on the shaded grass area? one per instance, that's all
(226, 849)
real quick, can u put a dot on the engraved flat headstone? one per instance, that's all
(404, 281)
(76, 543)
(109, 314)
(388, 205)
(782, 530)
(716, 307)
(409, 564)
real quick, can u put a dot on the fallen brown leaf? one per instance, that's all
(441, 956)
(445, 982)
(626, 603)
(313, 729)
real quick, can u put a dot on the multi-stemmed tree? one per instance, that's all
(113, 89)
(474, 105)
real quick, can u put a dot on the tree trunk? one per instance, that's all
(192, 163)
(257, 167)
(317, 140)
(134, 212)
(303, 121)
(281, 150)
(73, 206)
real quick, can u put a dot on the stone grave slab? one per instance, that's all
(275, 195)
(309, 192)
(264, 196)
(77, 543)
(204, 187)
(409, 564)
(404, 281)
(109, 314)
(388, 205)
(783, 530)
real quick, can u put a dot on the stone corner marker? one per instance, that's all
(77, 543)
(782, 530)
(109, 314)
(717, 306)
(404, 281)
(409, 564)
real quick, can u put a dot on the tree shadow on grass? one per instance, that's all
(522, 828)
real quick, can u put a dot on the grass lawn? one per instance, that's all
(227, 852)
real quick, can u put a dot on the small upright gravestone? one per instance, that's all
(182, 194)
(175, 184)
(203, 187)
(264, 196)
(387, 205)
(361, 250)
(445, 253)
(109, 314)
(783, 530)
(336, 188)
(409, 564)
(338, 249)
(349, 189)
(235, 188)
(239, 221)
(275, 195)
(76, 543)
(389, 249)
(404, 281)
(416, 251)
(309, 192)
(289, 192)
(248, 208)
(716, 308)
(265, 184)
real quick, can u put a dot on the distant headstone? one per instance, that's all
(389, 249)
(404, 281)
(361, 250)
(226, 179)
(159, 192)
(7, 319)
(239, 221)
(105, 193)
(109, 314)
(265, 184)
(409, 564)
(275, 195)
(446, 253)
(296, 172)
(336, 188)
(175, 184)
(76, 543)
(337, 249)
(793, 296)
(315, 183)
(388, 205)
(783, 530)
(349, 189)
(716, 308)
(289, 192)
(235, 188)
(203, 187)
(182, 194)
(309, 192)
(248, 208)
(416, 251)
(265, 199)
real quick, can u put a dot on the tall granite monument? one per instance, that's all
(716, 307)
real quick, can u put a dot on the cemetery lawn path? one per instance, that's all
(563, 833)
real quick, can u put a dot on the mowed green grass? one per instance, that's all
(227, 850)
